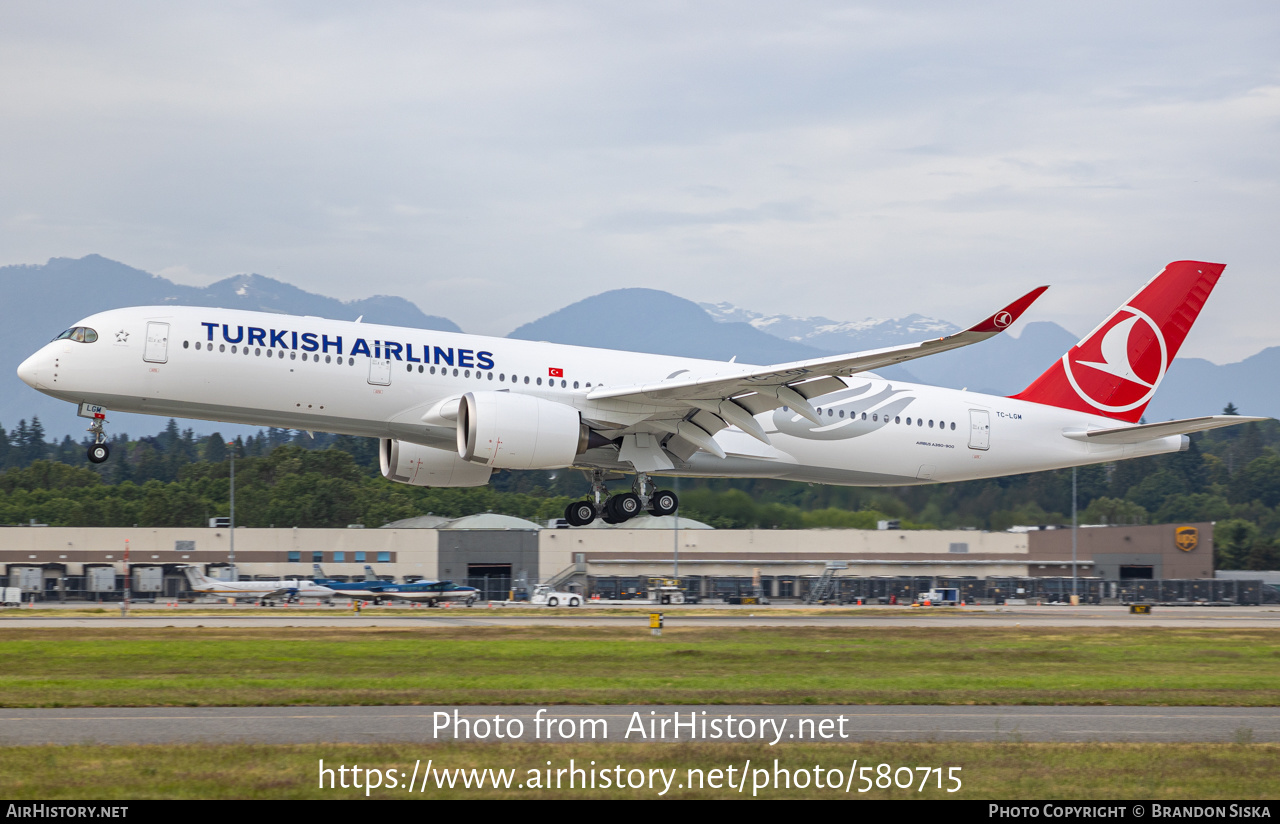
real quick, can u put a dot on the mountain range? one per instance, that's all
(41, 300)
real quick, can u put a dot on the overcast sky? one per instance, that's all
(493, 162)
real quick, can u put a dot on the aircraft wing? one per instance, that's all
(736, 395)
(1151, 431)
(276, 593)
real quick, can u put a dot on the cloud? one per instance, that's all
(498, 161)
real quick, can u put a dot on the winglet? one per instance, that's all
(1003, 319)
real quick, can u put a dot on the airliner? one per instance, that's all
(451, 408)
(289, 590)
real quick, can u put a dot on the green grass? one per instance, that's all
(1011, 771)
(626, 665)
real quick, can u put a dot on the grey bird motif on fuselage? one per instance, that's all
(851, 415)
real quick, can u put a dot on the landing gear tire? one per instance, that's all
(611, 515)
(664, 502)
(580, 513)
(98, 453)
(626, 506)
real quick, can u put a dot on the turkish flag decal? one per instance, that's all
(555, 373)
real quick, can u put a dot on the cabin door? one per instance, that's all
(157, 347)
(979, 429)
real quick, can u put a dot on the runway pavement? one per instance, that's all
(775, 724)
(1039, 616)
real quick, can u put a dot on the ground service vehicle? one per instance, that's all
(550, 597)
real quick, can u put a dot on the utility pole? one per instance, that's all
(232, 531)
(1075, 528)
(676, 531)
(124, 604)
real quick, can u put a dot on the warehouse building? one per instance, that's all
(498, 553)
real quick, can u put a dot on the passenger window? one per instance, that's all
(864, 416)
(466, 374)
(876, 417)
(539, 381)
(526, 378)
(931, 423)
(919, 421)
(185, 344)
(953, 424)
(222, 347)
(842, 413)
(896, 419)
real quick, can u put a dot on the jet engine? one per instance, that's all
(411, 463)
(507, 430)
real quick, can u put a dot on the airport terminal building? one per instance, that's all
(499, 553)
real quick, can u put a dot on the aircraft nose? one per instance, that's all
(29, 370)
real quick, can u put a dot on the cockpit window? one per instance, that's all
(79, 334)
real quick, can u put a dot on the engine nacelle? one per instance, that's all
(411, 463)
(507, 430)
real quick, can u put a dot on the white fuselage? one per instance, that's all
(250, 589)
(380, 381)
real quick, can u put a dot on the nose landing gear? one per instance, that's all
(98, 451)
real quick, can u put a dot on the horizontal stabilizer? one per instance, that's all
(1152, 431)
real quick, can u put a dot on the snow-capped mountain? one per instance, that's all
(833, 335)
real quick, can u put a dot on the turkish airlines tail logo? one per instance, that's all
(1117, 368)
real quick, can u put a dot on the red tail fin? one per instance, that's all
(1116, 369)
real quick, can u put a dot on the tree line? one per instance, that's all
(287, 478)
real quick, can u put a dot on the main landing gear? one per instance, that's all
(617, 509)
(98, 451)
